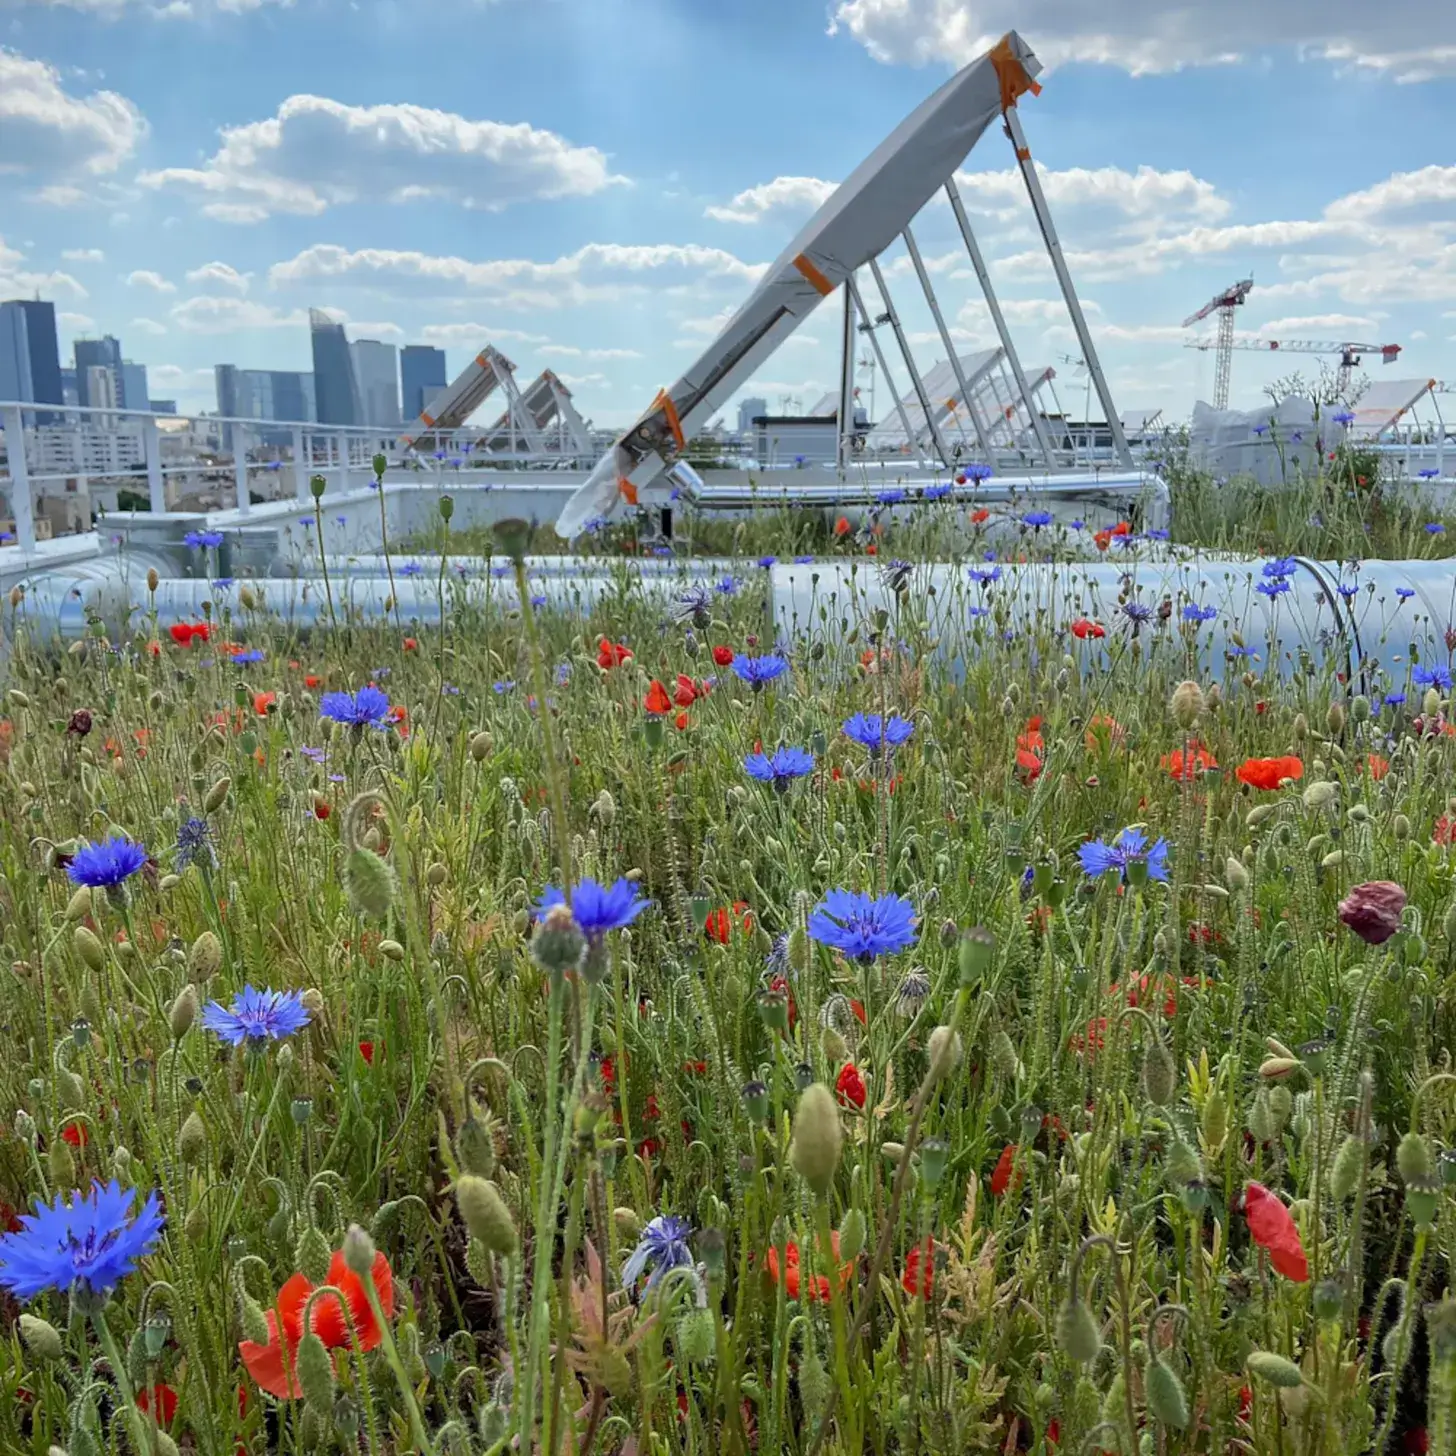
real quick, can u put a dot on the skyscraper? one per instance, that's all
(14, 354)
(336, 387)
(101, 387)
(376, 369)
(30, 359)
(105, 352)
(748, 411)
(422, 375)
(134, 393)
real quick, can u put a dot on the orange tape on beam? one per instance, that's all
(665, 404)
(821, 284)
(1015, 83)
(627, 490)
(428, 419)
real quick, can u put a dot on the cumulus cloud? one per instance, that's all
(1405, 42)
(570, 351)
(148, 326)
(17, 279)
(1401, 190)
(476, 336)
(47, 131)
(209, 314)
(79, 322)
(596, 271)
(315, 153)
(83, 255)
(146, 278)
(220, 275)
(783, 194)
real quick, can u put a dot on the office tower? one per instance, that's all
(225, 376)
(162, 406)
(105, 352)
(30, 358)
(134, 393)
(102, 391)
(422, 377)
(15, 381)
(748, 411)
(376, 367)
(70, 390)
(335, 384)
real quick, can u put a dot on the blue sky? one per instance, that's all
(591, 184)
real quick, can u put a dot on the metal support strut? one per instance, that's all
(904, 343)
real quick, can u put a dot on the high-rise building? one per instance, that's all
(134, 393)
(748, 411)
(105, 352)
(264, 394)
(162, 406)
(376, 368)
(102, 391)
(30, 361)
(70, 390)
(335, 385)
(421, 376)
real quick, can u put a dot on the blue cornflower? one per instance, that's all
(1435, 676)
(500, 572)
(779, 768)
(412, 568)
(727, 586)
(194, 843)
(1158, 535)
(767, 561)
(200, 540)
(1077, 525)
(1394, 700)
(306, 521)
(891, 497)
(1137, 612)
(342, 520)
(1261, 429)
(563, 674)
(367, 708)
(1429, 473)
(757, 672)
(1274, 587)
(1435, 528)
(1348, 590)
(977, 473)
(695, 605)
(1240, 650)
(1344, 417)
(862, 927)
(93, 1241)
(1128, 848)
(985, 575)
(501, 688)
(1194, 613)
(538, 600)
(1037, 519)
(245, 659)
(597, 909)
(663, 1246)
(935, 492)
(1405, 593)
(105, 865)
(1281, 566)
(257, 1016)
(223, 583)
(870, 731)
(803, 560)
(974, 611)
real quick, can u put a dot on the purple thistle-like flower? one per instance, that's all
(1137, 612)
(1195, 613)
(194, 843)
(105, 865)
(985, 575)
(936, 492)
(1435, 528)
(861, 926)
(662, 1246)
(257, 1016)
(891, 497)
(368, 708)
(1275, 587)
(93, 1241)
(246, 659)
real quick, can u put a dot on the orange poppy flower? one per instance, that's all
(980, 516)
(267, 1363)
(1268, 773)
(329, 1322)
(312, 681)
(1105, 732)
(1272, 1227)
(1001, 1175)
(1198, 760)
(262, 702)
(657, 701)
(1378, 766)
(612, 654)
(819, 1283)
(410, 644)
(842, 526)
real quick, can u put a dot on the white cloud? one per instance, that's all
(1399, 190)
(47, 131)
(1407, 42)
(585, 381)
(219, 275)
(783, 194)
(146, 278)
(148, 326)
(475, 336)
(174, 376)
(16, 280)
(596, 271)
(83, 255)
(1338, 326)
(570, 351)
(1147, 192)
(209, 314)
(315, 153)
(78, 322)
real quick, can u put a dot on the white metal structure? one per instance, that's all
(873, 208)
(488, 371)
(1223, 304)
(1349, 353)
(546, 403)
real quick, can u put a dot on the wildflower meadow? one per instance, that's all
(637, 1029)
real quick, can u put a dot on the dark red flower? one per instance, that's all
(610, 654)
(723, 656)
(1085, 627)
(1272, 1228)
(366, 1050)
(919, 1273)
(688, 692)
(160, 1401)
(74, 1132)
(1001, 1174)
(1372, 910)
(79, 724)
(850, 1086)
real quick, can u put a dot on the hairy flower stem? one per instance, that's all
(836, 1320)
(318, 522)
(391, 1355)
(1410, 1312)
(384, 547)
(141, 1436)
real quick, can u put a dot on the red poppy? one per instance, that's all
(681, 722)
(842, 526)
(321, 809)
(74, 1132)
(1104, 731)
(1272, 1228)
(980, 516)
(1378, 766)
(1149, 988)
(688, 692)
(410, 644)
(366, 1050)
(1267, 773)
(181, 633)
(721, 921)
(610, 654)
(919, 1273)
(723, 656)
(1183, 767)
(1029, 746)
(1001, 1175)
(1444, 830)
(159, 1400)
(1416, 1441)
(872, 549)
(262, 702)
(1246, 1402)
(1103, 539)
(265, 1363)
(657, 702)
(311, 681)
(857, 1007)
(819, 1284)
(1085, 627)
(850, 1086)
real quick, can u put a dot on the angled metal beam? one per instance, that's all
(911, 439)
(1013, 359)
(845, 450)
(1064, 278)
(913, 248)
(909, 359)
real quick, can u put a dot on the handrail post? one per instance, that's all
(20, 501)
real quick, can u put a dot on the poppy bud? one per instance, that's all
(80, 905)
(852, 1234)
(1273, 1067)
(1165, 1395)
(1275, 1369)
(312, 1255)
(1431, 703)
(315, 1373)
(1159, 1073)
(41, 1338)
(628, 1225)
(255, 1325)
(369, 883)
(1413, 1157)
(694, 1337)
(480, 746)
(359, 1251)
(475, 1148)
(1335, 719)
(192, 1138)
(217, 795)
(1320, 795)
(605, 809)
(1077, 1334)
(1187, 704)
(798, 950)
(62, 1164)
(88, 947)
(818, 1137)
(1258, 814)
(183, 1012)
(945, 1053)
(391, 950)
(205, 957)
(484, 1213)
(1299, 730)
(73, 1090)
(1004, 1056)
(1183, 1165)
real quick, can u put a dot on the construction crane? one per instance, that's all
(1349, 353)
(1223, 304)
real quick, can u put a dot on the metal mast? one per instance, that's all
(1224, 305)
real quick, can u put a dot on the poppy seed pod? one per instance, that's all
(1077, 1334)
(818, 1137)
(483, 1211)
(1165, 1395)
(315, 1373)
(1275, 1369)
